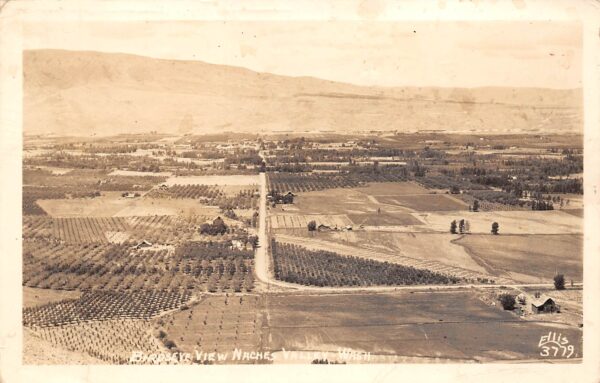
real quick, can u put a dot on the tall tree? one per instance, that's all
(495, 228)
(467, 227)
(453, 227)
(559, 282)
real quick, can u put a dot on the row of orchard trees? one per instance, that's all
(297, 264)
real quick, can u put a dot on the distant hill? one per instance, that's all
(85, 93)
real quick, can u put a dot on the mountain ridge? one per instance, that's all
(87, 93)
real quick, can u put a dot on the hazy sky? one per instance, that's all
(447, 54)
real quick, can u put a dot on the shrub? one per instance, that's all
(495, 228)
(507, 301)
(169, 344)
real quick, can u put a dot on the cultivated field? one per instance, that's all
(390, 255)
(529, 258)
(117, 206)
(216, 324)
(193, 266)
(37, 351)
(123, 251)
(423, 246)
(165, 229)
(297, 264)
(111, 341)
(451, 326)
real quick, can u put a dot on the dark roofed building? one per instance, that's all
(544, 304)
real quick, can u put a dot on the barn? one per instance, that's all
(544, 304)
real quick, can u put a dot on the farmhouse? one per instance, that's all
(237, 244)
(544, 304)
(322, 227)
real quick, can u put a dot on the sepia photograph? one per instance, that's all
(265, 191)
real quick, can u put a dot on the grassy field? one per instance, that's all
(450, 326)
(511, 222)
(36, 297)
(527, 256)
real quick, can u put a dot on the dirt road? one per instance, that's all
(261, 258)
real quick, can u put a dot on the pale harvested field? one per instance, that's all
(287, 221)
(145, 207)
(423, 246)
(214, 180)
(335, 201)
(83, 207)
(36, 297)
(511, 222)
(391, 197)
(112, 206)
(55, 170)
(142, 174)
(392, 188)
(424, 202)
(538, 256)
(384, 219)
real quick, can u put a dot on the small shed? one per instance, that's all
(544, 304)
(322, 227)
(143, 244)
